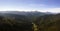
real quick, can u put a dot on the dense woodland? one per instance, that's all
(14, 22)
(7, 24)
(48, 22)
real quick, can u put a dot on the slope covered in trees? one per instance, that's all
(9, 24)
(48, 22)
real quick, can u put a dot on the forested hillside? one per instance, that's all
(9, 24)
(48, 22)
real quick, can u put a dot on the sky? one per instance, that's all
(30, 5)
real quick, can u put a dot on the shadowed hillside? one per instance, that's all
(9, 24)
(48, 22)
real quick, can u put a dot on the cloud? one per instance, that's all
(37, 5)
(53, 10)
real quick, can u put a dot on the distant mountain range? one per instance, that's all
(24, 13)
(26, 16)
(29, 14)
